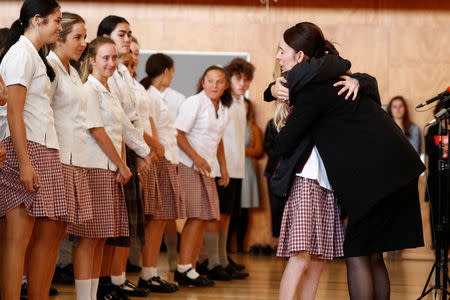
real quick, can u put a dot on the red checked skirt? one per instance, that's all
(109, 209)
(311, 222)
(200, 194)
(168, 204)
(151, 192)
(49, 200)
(78, 196)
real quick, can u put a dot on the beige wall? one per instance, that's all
(406, 50)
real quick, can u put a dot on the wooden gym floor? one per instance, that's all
(407, 279)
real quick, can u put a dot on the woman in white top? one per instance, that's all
(118, 29)
(31, 181)
(109, 128)
(201, 123)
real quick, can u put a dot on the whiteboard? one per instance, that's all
(189, 66)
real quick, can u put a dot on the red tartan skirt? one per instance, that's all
(78, 196)
(200, 194)
(168, 204)
(49, 200)
(109, 209)
(151, 192)
(311, 222)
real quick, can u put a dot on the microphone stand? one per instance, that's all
(441, 243)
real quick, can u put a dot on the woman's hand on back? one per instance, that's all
(349, 84)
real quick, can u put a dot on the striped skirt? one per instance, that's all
(78, 196)
(311, 222)
(49, 200)
(200, 194)
(109, 210)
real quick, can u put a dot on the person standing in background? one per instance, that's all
(398, 111)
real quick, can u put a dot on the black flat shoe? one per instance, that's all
(158, 285)
(129, 289)
(235, 274)
(109, 292)
(132, 268)
(63, 275)
(238, 267)
(184, 280)
(202, 268)
(219, 273)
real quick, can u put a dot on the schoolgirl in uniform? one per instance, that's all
(118, 29)
(32, 193)
(168, 203)
(108, 128)
(201, 123)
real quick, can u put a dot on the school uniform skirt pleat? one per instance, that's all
(109, 209)
(151, 193)
(78, 196)
(49, 200)
(200, 194)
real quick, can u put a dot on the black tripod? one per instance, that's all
(441, 242)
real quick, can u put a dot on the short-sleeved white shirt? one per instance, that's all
(69, 104)
(315, 169)
(142, 106)
(203, 127)
(104, 110)
(23, 65)
(121, 89)
(234, 139)
(165, 125)
(174, 99)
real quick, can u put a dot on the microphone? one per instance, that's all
(442, 114)
(438, 97)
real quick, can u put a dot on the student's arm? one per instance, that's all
(256, 148)
(3, 92)
(201, 164)
(224, 177)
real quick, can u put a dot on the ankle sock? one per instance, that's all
(83, 289)
(149, 272)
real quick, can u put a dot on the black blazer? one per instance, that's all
(366, 156)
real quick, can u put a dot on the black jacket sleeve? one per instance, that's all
(269, 139)
(268, 94)
(368, 85)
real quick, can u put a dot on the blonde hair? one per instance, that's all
(91, 53)
(281, 109)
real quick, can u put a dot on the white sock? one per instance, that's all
(117, 280)
(24, 279)
(83, 289)
(192, 274)
(94, 288)
(124, 276)
(149, 273)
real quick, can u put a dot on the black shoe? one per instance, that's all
(109, 292)
(219, 273)
(266, 250)
(184, 280)
(24, 291)
(158, 285)
(235, 274)
(132, 268)
(129, 289)
(238, 267)
(202, 268)
(255, 249)
(63, 275)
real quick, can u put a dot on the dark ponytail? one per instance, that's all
(308, 37)
(156, 65)
(29, 9)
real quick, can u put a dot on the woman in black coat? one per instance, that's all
(371, 166)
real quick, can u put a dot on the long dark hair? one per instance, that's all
(308, 37)
(29, 9)
(156, 65)
(405, 120)
(226, 97)
(108, 24)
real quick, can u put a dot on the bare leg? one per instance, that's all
(154, 230)
(97, 265)
(108, 252)
(19, 228)
(308, 285)
(191, 239)
(117, 264)
(41, 263)
(83, 259)
(293, 274)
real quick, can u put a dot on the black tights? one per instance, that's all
(368, 278)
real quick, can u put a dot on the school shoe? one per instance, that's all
(219, 273)
(202, 268)
(129, 289)
(109, 292)
(132, 268)
(184, 280)
(24, 291)
(235, 274)
(158, 285)
(238, 267)
(63, 275)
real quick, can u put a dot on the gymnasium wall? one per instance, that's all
(404, 44)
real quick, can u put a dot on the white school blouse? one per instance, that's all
(23, 65)
(69, 103)
(142, 106)
(163, 117)
(234, 139)
(203, 128)
(104, 110)
(315, 169)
